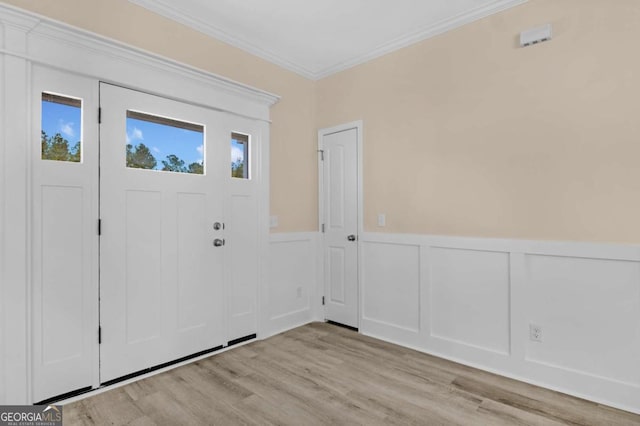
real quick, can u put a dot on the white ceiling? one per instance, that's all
(318, 38)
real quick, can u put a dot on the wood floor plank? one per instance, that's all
(77, 414)
(210, 383)
(162, 409)
(114, 407)
(289, 402)
(514, 416)
(264, 412)
(321, 374)
(579, 412)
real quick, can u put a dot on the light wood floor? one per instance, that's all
(321, 374)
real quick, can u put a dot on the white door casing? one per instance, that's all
(162, 290)
(340, 204)
(65, 247)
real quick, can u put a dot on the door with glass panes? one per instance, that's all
(145, 231)
(179, 245)
(161, 254)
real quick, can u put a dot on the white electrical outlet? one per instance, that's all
(273, 221)
(382, 219)
(535, 333)
(299, 292)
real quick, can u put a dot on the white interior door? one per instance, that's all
(64, 164)
(340, 205)
(161, 285)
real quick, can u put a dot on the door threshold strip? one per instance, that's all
(64, 396)
(158, 367)
(112, 384)
(348, 327)
(241, 339)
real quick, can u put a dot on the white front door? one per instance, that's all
(162, 177)
(340, 213)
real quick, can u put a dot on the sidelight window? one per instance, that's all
(239, 156)
(61, 128)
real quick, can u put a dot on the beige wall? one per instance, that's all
(467, 134)
(293, 131)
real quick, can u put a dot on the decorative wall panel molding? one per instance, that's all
(292, 296)
(478, 298)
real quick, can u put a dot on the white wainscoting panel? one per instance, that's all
(472, 300)
(589, 311)
(470, 297)
(293, 281)
(390, 285)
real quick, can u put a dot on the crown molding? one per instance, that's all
(18, 19)
(174, 13)
(423, 34)
(44, 31)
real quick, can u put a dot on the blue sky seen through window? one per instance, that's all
(237, 151)
(238, 161)
(63, 119)
(239, 155)
(161, 140)
(164, 140)
(61, 125)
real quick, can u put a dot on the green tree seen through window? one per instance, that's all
(196, 168)
(140, 157)
(173, 164)
(57, 148)
(237, 169)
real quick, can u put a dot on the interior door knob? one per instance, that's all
(218, 242)
(351, 237)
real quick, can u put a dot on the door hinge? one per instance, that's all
(100, 335)
(321, 151)
(323, 228)
(99, 227)
(100, 115)
(322, 300)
